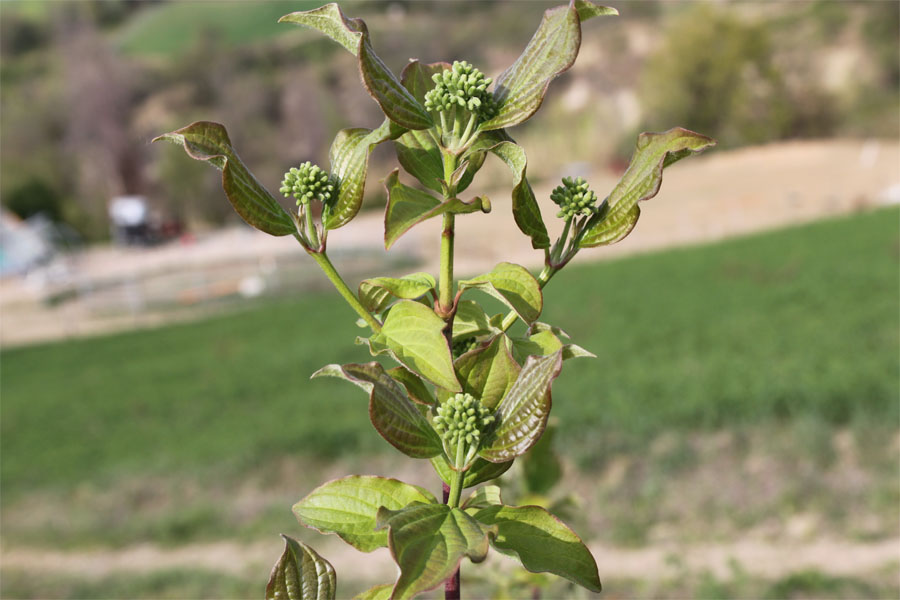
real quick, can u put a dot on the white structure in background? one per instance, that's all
(129, 220)
(24, 245)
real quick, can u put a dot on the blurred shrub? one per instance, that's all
(716, 73)
(32, 197)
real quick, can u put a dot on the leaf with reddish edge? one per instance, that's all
(301, 574)
(488, 372)
(407, 207)
(542, 542)
(208, 141)
(526, 212)
(428, 542)
(513, 285)
(349, 506)
(349, 157)
(395, 101)
(415, 387)
(520, 89)
(641, 181)
(394, 416)
(523, 412)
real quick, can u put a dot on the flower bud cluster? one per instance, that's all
(309, 182)
(574, 197)
(462, 85)
(462, 418)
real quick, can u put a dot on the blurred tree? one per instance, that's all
(34, 196)
(715, 73)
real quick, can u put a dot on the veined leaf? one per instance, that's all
(654, 152)
(394, 416)
(589, 10)
(378, 592)
(480, 471)
(488, 372)
(488, 495)
(415, 387)
(348, 507)
(541, 343)
(408, 206)
(542, 542)
(414, 336)
(301, 574)
(521, 88)
(420, 157)
(349, 157)
(208, 141)
(526, 212)
(470, 320)
(376, 293)
(428, 542)
(522, 414)
(395, 101)
(513, 285)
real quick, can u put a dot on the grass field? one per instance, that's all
(796, 324)
(747, 388)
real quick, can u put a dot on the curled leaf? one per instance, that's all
(208, 141)
(513, 285)
(393, 415)
(301, 574)
(641, 181)
(480, 471)
(521, 88)
(376, 293)
(395, 100)
(488, 372)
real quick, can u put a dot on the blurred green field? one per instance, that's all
(172, 28)
(797, 324)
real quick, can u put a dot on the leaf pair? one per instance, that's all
(349, 155)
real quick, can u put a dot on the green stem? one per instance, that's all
(322, 259)
(312, 233)
(457, 477)
(445, 283)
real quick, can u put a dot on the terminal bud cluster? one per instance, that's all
(463, 422)
(574, 198)
(464, 86)
(309, 182)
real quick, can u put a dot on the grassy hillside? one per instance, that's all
(796, 324)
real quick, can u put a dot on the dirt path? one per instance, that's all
(764, 559)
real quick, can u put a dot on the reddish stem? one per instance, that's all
(451, 586)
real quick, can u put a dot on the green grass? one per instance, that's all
(800, 323)
(171, 28)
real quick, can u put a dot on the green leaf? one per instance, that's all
(589, 10)
(542, 542)
(301, 574)
(480, 471)
(538, 327)
(488, 372)
(414, 336)
(395, 101)
(522, 414)
(349, 506)
(379, 592)
(521, 88)
(420, 156)
(470, 320)
(513, 285)
(526, 212)
(641, 181)
(415, 387)
(408, 206)
(376, 293)
(395, 418)
(428, 542)
(488, 495)
(538, 344)
(349, 157)
(209, 142)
